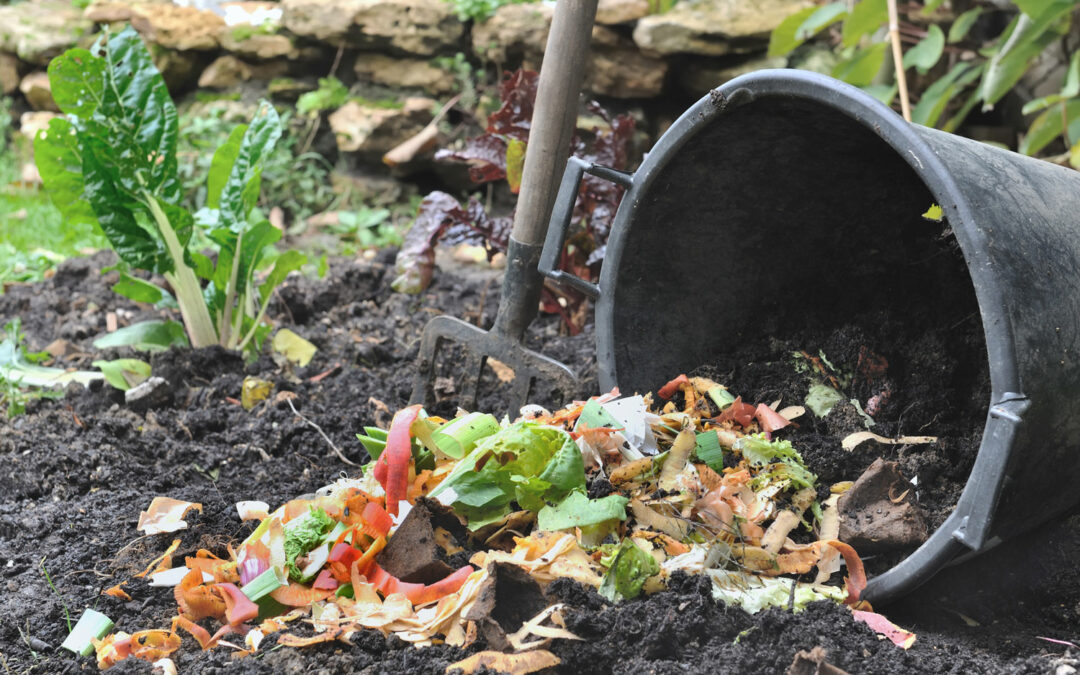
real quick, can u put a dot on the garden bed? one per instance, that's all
(77, 472)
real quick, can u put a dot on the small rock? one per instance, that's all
(9, 73)
(508, 598)
(514, 34)
(878, 512)
(175, 27)
(373, 130)
(420, 547)
(421, 27)
(38, 31)
(32, 122)
(714, 27)
(225, 73)
(620, 70)
(38, 92)
(242, 41)
(60, 347)
(610, 12)
(153, 393)
(39, 645)
(107, 11)
(403, 72)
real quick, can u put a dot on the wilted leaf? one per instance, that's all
(514, 664)
(851, 441)
(145, 336)
(897, 635)
(515, 164)
(255, 391)
(486, 156)
(165, 514)
(293, 347)
(934, 213)
(123, 373)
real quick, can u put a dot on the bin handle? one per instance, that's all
(560, 221)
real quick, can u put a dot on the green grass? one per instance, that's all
(34, 238)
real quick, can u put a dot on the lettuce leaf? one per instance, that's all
(628, 572)
(303, 534)
(577, 510)
(526, 462)
(784, 461)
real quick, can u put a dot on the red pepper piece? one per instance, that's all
(375, 516)
(396, 457)
(326, 581)
(238, 607)
(343, 553)
(669, 389)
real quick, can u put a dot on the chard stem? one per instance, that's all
(200, 326)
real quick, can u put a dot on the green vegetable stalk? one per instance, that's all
(112, 162)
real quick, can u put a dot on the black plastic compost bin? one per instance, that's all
(786, 199)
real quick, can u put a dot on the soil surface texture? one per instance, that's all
(77, 471)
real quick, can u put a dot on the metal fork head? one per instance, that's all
(529, 367)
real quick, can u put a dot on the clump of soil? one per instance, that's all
(78, 471)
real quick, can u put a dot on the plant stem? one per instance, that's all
(230, 295)
(200, 326)
(254, 325)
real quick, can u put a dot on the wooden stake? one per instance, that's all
(898, 59)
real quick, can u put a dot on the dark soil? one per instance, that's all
(77, 471)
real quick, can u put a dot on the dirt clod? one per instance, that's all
(879, 512)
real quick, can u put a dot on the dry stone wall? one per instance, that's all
(637, 54)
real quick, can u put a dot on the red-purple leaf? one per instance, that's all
(518, 94)
(485, 154)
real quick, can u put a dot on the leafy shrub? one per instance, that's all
(499, 154)
(963, 61)
(113, 161)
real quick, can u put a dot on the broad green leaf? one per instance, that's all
(124, 373)
(577, 510)
(1022, 41)
(782, 40)
(77, 81)
(1050, 125)
(56, 153)
(221, 166)
(141, 290)
(1034, 8)
(861, 69)
(1042, 103)
(931, 6)
(962, 26)
(258, 140)
(287, 262)
(937, 96)
(865, 18)
(293, 347)
(1072, 78)
(515, 163)
(822, 18)
(1074, 155)
(925, 55)
(146, 336)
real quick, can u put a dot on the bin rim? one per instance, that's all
(968, 527)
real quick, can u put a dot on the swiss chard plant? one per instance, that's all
(111, 160)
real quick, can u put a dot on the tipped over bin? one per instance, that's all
(801, 192)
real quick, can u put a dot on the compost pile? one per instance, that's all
(621, 534)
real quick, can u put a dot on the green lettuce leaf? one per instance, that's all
(761, 452)
(628, 572)
(577, 510)
(527, 463)
(303, 534)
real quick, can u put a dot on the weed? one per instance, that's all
(48, 580)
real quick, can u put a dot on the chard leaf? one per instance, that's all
(221, 166)
(287, 262)
(145, 336)
(141, 290)
(577, 510)
(124, 373)
(628, 572)
(59, 161)
(77, 81)
(245, 172)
